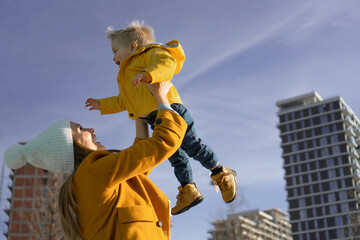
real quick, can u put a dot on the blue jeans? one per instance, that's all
(191, 146)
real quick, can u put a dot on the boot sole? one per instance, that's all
(194, 203)
(237, 187)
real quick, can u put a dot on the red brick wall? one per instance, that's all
(27, 184)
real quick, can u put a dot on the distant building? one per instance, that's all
(320, 141)
(269, 224)
(33, 212)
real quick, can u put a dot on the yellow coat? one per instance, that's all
(116, 199)
(159, 63)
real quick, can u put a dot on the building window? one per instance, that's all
(316, 188)
(344, 207)
(331, 221)
(333, 209)
(323, 141)
(332, 173)
(340, 232)
(295, 147)
(315, 110)
(333, 185)
(343, 195)
(325, 130)
(324, 152)
(324, 119)
(330, 162)
(326, 186)
(336, 150)
(331, 198)
(303, 214)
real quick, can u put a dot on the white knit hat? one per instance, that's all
(51, 150)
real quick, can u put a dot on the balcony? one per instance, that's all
(357, 131)
(349, 121)
(350, 132)
(355, 163)
(354, 153)
(345, 110)
(352, 143)
(356, 177)
(7, 211)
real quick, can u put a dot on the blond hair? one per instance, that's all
(68, 207)
(137, 31)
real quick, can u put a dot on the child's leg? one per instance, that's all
(225, 178)
(189, 196)
(179, 160)
(182, 168)
(192, 145)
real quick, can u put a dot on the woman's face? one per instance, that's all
(85, 137)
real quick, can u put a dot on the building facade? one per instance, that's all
(269, 224)
(320, 141)
(33, 212)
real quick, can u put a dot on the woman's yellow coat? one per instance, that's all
(116, 198)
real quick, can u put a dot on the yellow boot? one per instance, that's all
(226, 180)
(188, 197)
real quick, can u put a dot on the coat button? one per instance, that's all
(158, 121)
(131, 115)
(159, 224)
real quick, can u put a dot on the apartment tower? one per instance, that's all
(269, 224)
(33, 212)
(320, 139)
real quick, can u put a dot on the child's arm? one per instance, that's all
(108, 105)
(161, 67)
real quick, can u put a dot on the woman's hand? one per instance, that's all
(160, 91)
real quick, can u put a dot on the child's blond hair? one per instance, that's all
(138, 32)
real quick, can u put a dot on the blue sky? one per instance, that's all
(242, 57)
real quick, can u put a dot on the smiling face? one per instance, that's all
(121, 51)
(85, 137)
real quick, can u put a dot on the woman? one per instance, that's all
(108, 194)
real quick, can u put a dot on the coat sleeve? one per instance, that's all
(144, 155)
(112, 104)
(161, 65)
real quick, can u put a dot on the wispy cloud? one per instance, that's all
(295, 25)
(245, 44)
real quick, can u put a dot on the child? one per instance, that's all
(143, 61)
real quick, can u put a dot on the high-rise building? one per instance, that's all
(33, 212)
(269, 224)
(320, 138)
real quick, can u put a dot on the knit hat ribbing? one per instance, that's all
(51, 150)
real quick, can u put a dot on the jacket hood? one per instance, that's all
(174, 48)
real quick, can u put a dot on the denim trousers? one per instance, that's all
(192, 146)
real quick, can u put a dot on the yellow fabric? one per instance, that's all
(159, 63)
(116, 199)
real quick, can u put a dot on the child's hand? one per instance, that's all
(140, 77)
(94, 104)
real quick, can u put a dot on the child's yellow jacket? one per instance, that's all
(159, 63)
(116, 199)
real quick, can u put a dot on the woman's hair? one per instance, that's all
(138, 32)
(68, 207)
